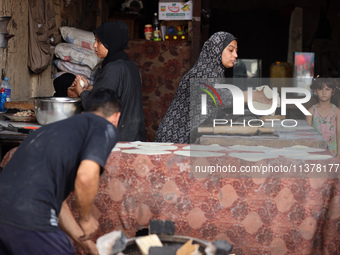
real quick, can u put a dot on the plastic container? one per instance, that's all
(3, 97)
(5, 84)
(281, 70)
(156, 34)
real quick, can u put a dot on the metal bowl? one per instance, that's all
(52, 109)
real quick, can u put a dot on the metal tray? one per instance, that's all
(132, 248)
(20, 118)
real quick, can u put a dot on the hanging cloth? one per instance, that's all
(42, 33)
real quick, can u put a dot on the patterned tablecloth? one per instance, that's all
(259, 214)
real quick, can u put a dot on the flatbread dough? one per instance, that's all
(259, 148)
(309, 156)
(156, 148)
(199, 154)
(294, 152)
(268, 92)
(304, 148)
(124, 145)
(146, 152)
(150, 143)
(195, 147)
(252, 156)
(261, 106)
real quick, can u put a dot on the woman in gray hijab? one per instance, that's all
(218, 53)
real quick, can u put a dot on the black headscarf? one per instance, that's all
(114, 36)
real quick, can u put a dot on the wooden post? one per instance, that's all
(196, 32)
(99, 20)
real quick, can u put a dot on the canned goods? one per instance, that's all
(148, 31)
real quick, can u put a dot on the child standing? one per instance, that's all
(325, 116)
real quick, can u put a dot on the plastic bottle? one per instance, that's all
(3, 97)
(5, 84)
(156, 34)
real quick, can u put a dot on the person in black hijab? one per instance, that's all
(119, 74)
(62, 83)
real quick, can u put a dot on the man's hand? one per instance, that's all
(69, 225)
(89, 247)
(89, 227)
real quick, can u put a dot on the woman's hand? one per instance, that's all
(76, 87)
(258, 96)
(71, 92)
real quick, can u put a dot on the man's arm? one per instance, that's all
(86, 187)
(69, 225)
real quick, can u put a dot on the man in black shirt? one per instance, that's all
(50, 163)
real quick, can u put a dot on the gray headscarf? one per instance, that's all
(177, 124)
(209, 64)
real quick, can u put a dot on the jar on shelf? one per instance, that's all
(148, 32)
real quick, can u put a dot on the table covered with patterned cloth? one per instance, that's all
(275, 213)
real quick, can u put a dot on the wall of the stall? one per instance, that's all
(13, 59)
(26, 84)
(262, 28)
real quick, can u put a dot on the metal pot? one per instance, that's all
(52, 109)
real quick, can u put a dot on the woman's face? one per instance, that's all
(229, 54)
(99, 48)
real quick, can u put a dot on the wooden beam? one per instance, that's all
(196, 32)
(99, 20)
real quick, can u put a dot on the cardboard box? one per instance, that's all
(175, 10)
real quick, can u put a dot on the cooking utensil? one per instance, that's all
(236, 130)
(52, 109)
(24, 130)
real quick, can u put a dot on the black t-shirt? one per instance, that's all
(41, 173)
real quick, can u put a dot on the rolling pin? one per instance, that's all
(236, 130)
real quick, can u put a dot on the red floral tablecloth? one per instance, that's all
(257, 215)
(161, 65)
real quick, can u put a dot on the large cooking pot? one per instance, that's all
(52, 109)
